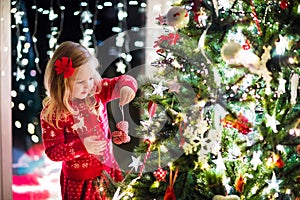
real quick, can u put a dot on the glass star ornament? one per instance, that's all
(220, 166)
(272, 123)
(136, 162)
(256, 159)
(159, 89)
(282, 45)
(273, 184)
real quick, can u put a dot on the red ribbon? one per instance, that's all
(64, 66)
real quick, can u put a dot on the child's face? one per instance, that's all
(82, 81)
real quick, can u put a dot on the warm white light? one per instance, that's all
(291, 60)
(83, 4)
(13, 93)
(76, 13)
(133, 3)
(31, 88)
(35, 138)
(18, 124)
(25, 61)
(139, 43)
(116, 29)
(21, 106)
(107, 4)
(30, 128)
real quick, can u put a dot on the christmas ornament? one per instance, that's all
(284, 4)
(136, 162)
(121, 136)
(239, 184)
(255, 18)
(241, 123)
(201, 17)
(170, 193)
(220, 166)
(171, 38)
(152, 106)
(234, 54)
(272, 122)
(177, 17)
(149, 143)
(246, 46)
(294, 88)
(256, 159)
(160, 174)
(159, 89)
(278, 161)
(273, 183)
(229, 197)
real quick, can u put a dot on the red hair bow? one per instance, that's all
(64, 66)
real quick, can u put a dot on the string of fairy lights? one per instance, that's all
(28, 65)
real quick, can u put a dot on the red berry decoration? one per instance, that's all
(160, 174)
(284, 4)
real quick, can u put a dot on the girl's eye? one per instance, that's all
(79, 82)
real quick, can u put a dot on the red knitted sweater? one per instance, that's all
(66, 144)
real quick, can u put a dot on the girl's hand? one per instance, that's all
(93, 145)
(126, 95)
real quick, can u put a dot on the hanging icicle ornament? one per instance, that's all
(294, 88)
(177, 17)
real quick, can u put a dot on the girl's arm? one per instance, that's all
(56, 148)
(111, 87)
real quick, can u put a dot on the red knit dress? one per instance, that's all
(81, 170)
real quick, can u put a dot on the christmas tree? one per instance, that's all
(222, 114)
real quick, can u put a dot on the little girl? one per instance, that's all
(74, 120)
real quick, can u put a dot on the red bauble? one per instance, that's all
(284, 4)
(160, 174)
(279, 163)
